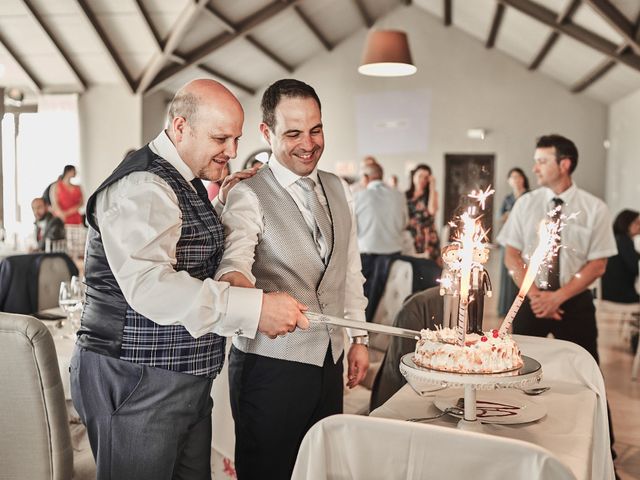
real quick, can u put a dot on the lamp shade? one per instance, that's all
(386, 54)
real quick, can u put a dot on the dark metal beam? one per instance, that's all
(198, 54)
(268, 53)
(226, 24)
(618, 21)
(498, 14)
(142, 10)
(93, 20)
(574, 31)
(362, 9)
(592, 76)
(63, 53)
(227, 79)
(563, 17)
(448, 12)
(311, 26)
(178, 31)
(33, 81)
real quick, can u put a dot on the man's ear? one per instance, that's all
(266, 133)
(565, 164)
(179, 125)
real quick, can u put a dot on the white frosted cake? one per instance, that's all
(488, 353)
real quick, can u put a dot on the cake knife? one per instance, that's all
(370, 327)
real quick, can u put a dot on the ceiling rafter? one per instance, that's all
(618, 21)
(600, 70)
(574, 31)
(32, 79)
(314, 29)
(153, 31)
(113, 54)
(178, 30)
(563, 17)
(498, 15)
(229, 26)
(199, 53)
(362, 9)
(63, 53)
(448, 12)
(226, 79)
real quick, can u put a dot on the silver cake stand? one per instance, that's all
(422, 380)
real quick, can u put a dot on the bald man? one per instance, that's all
(154, 324)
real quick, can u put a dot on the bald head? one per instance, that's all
(202, 94)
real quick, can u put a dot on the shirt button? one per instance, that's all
(239, 331)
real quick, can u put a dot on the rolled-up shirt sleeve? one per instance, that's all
(140, 224)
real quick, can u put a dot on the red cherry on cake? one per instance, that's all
(483, 339)
(496, 334)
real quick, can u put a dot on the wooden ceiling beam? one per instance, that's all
(61, 50)
(196, 56)
(574, 31)
(113, 54)
(33, 81)
(166, 54)
(618, 21)
(498, 14)
(447, 8)
(563, 17)
(229, 80)
(362, 9)
(311, 26)
(144, 13)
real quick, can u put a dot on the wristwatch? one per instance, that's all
(360, 340)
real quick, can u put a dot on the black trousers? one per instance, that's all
(274, 403)
(578, 324)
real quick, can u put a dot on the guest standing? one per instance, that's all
(422, 201)
(519, 184)
(619, 279)
(69, 199)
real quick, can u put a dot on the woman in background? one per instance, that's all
(519, 184)
(422, 203)
(68, 198)
(619, 279)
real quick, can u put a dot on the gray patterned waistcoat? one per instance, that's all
(287, 260)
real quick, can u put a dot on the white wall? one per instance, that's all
(623, 160)
(110, 124)
(154, 115)
(470, 86)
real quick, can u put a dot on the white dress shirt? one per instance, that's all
(588, 236)
(140, 223)
(243, 221)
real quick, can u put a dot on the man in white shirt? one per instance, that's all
(153, 326)
(291, 228)
(382, 217)
(559, 304)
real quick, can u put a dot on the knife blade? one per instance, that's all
(370, 327)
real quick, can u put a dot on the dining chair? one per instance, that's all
(354, 447)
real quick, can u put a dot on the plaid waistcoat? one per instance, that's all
(110, 326)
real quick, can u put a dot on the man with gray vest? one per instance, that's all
(291, 228)
(153, 326)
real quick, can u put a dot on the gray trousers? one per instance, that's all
(144, 423)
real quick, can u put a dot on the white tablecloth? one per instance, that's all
(575, 428)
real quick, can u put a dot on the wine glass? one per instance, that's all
(70, 300)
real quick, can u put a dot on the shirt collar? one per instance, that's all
(565, 196)
(163, 147)
(375, 184)
(286, 177)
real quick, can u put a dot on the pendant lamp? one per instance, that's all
(387, 54)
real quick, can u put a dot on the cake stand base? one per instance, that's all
(471, 425)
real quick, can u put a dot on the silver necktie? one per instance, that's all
(319, 214)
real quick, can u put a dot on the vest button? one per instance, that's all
(239, 332)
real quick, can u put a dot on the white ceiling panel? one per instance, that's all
(128, 33)
(236, 11)
(474, 17)
(97, 68)
(290, 37)
(76, 34)
(25, 36)
(617, 83)
(336, 19)
(111, 6)
(592, 21)
(12, 7)
(55, 7)
(12, 75)
(434, 7)
(556, 6)
(558, 66)
(521, 36)
(51, 69)
(201, 31)
(630, 8)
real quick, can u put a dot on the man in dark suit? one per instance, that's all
(47, 226)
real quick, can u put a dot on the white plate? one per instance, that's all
(503, 406)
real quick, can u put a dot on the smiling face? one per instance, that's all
(297, 140)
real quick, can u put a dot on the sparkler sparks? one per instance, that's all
(482, 196)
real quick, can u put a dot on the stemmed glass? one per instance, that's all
(70, 300)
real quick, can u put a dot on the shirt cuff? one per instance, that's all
(243, 310)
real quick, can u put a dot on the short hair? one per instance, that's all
(288, 87)
(520, 172)
(623, 221)
(38, 199)
(373, 171)
(185, 105)
(565, 148)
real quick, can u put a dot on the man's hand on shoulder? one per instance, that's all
(281, 314)
(231, 180)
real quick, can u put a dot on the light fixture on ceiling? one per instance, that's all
(386, 54)
(477, 133)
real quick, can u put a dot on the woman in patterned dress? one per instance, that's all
(422, 202)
